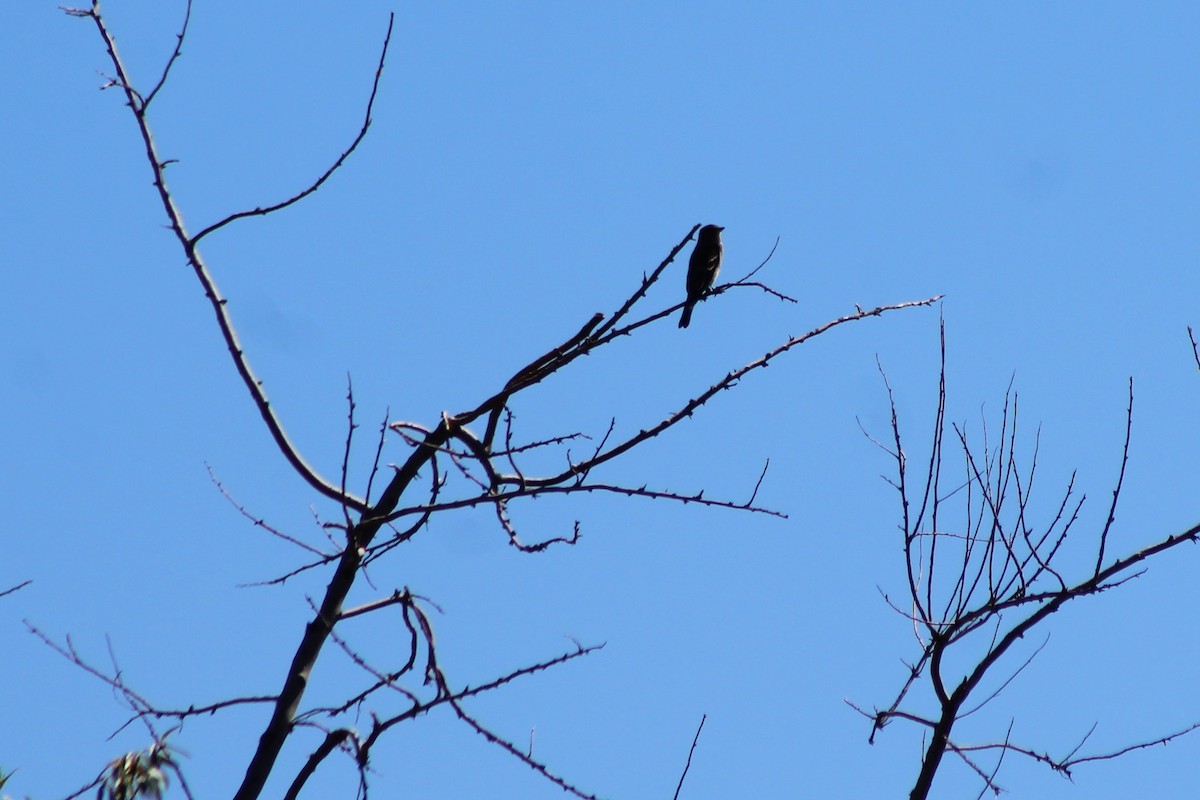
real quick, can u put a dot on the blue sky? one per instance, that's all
(527, 164)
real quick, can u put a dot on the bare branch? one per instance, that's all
(1007, 681)
(16, 588)
(515, 540)
(351, 426)
(691, 750)
(284, 578)
(742, 280)
(187, 17)
(210, 709)
(990, 781)
(189, 245)
(1066, 764)
(134, 700)
(366, 125)
(724, 384)
(259, 522)
(745, 281)
(1170, 737)
(513, 750)
(605, 330)
(474, 456)
(333, 740)
(999, 564)
(757, 485)
(1112, 509)
(383, 429)
(532, 373)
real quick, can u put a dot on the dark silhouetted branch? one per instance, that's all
(691, 750)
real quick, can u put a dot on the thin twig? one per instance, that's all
(691, 750)
(1112, 509)
(187, 17)
(259, 522)
(366, 125)
(16, 588)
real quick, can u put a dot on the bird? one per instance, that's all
(702, 269)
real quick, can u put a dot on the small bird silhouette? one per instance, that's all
(702, 269)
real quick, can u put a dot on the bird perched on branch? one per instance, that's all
(702, 269)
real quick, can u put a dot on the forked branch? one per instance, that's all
(994, 578)
(455, 455)
(139, 106)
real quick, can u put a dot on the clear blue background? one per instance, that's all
(528, 163)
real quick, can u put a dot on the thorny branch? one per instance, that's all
(498, 475)
(189, 243)
(143, 710)
(134, 772)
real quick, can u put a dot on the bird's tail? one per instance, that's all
(686, 317)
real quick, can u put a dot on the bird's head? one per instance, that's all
(711, 231)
